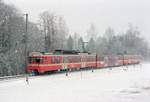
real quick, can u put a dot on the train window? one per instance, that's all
(84, 59)
(65, 59)
(77, 59)
(35, 60)
(52, 60)
(57, 60)
(106, 59)
(45, 60)
(120, 57)
(91, 58)
(73, 59)
(69, 59)
(102, 58)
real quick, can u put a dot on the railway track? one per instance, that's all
(7, 78)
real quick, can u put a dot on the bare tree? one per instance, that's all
(47, 21)
(55, 30)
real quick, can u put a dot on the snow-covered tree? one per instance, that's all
(91, 32)
(80, 44)
(75, 38)
(70, 43)
(91, 47)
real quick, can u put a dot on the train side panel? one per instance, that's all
(44, 63)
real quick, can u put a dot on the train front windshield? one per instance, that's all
(35, 60)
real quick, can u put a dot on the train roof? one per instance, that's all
(60, 52)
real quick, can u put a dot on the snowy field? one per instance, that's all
(117, 85)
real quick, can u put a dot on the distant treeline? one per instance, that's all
(51, 32)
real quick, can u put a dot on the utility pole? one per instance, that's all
(25, 39)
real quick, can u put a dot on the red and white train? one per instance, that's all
(69, 60)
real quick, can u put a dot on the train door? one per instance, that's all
(106, 61)
(64, 62)
(83, 61)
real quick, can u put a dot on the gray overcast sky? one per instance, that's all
(79, 14)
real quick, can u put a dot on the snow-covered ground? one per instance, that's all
(105, 85)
